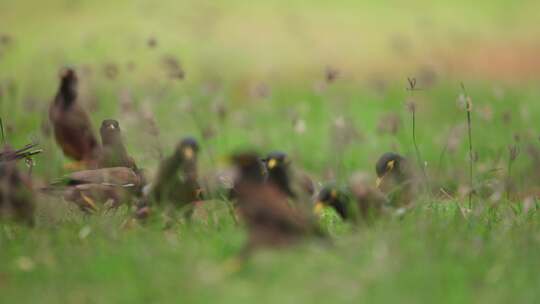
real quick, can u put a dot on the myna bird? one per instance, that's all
(120, 176)
(395, 179)
(176, 180)
(87, 188)
(297, 185)
(17, 199)
(72, 125)
(113, 152)
(336, 198)
(271, 222)
(358, 203)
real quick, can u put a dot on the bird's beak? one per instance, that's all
(271, 163)
(318, 209)
(188, 153)
(378, 182)
(112, 127)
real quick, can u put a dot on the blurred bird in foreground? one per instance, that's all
(16, 195)
(114, 153)
(72, 125)
(395, 179)
(270, 221)
(181, 190)
(108, 185)
(297, 185)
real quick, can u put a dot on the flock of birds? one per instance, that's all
(276, 204)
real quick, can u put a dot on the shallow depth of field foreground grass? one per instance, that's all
(260, 75)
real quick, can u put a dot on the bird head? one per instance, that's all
(110, 128)
(331, 196)
(276, 160)
(68, 85)
(389, 164)
(188, 149)
(248, 166)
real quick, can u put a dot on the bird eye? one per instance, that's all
(390, 165)
(272, 163)
(188, 153)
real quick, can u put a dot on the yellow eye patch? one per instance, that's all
(390, 165)
(272, 163)
(188, 153)
(333, 194)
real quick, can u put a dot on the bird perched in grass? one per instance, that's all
(395, 179)
(113, 151)
(176, 180)
(359, 202)
(16, 195)
(87, 188)
(297, 185)
(72, 125)
(271, 222)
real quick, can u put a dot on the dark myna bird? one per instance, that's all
(358, 202)
(176, 180)
(72, 125)
(270, 220)
(16, 195)
(114, 153)
(395, 179)
(89, 187)
(297, 185)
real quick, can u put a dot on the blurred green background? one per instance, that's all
(325, 81)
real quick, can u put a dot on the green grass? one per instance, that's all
(231, 49)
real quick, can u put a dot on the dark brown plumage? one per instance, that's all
(72, 126)
(264, 207)
(176, 181)
(113, 152)
(16, 195)
(297, 185)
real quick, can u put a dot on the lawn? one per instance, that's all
(259, 76)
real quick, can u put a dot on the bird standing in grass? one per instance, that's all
(358, 203)
(180, 190)
(72, 125)
(114, 153)
(395, 179)
(16, 195)
(87, 188)
(270, 220)
(297, 185)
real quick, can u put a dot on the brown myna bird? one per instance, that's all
(72, 126)
(113, 151)
(395, 179)
(16, 195)
(176, 180)
(271, 222)
(297, 185)
(89, 187)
